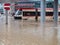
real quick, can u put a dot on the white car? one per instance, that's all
(18, 15)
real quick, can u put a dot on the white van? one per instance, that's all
(18, 15)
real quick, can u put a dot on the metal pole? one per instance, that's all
(42, 11)
(6, 16)
(36, 16)
(55, 11)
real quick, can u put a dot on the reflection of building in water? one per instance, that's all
(54, 36)
(51, 36)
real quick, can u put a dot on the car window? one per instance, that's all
(18, 12)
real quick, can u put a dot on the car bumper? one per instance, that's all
(17, 17)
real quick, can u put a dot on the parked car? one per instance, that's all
(18, 15)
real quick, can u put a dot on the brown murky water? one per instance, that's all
(28, 32)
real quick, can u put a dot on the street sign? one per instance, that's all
(7, 6)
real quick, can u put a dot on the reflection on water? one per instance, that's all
(50, 34)
(29, 33)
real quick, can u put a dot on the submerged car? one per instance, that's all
(18, 15)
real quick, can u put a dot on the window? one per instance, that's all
(49, 4)
(18, 12)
